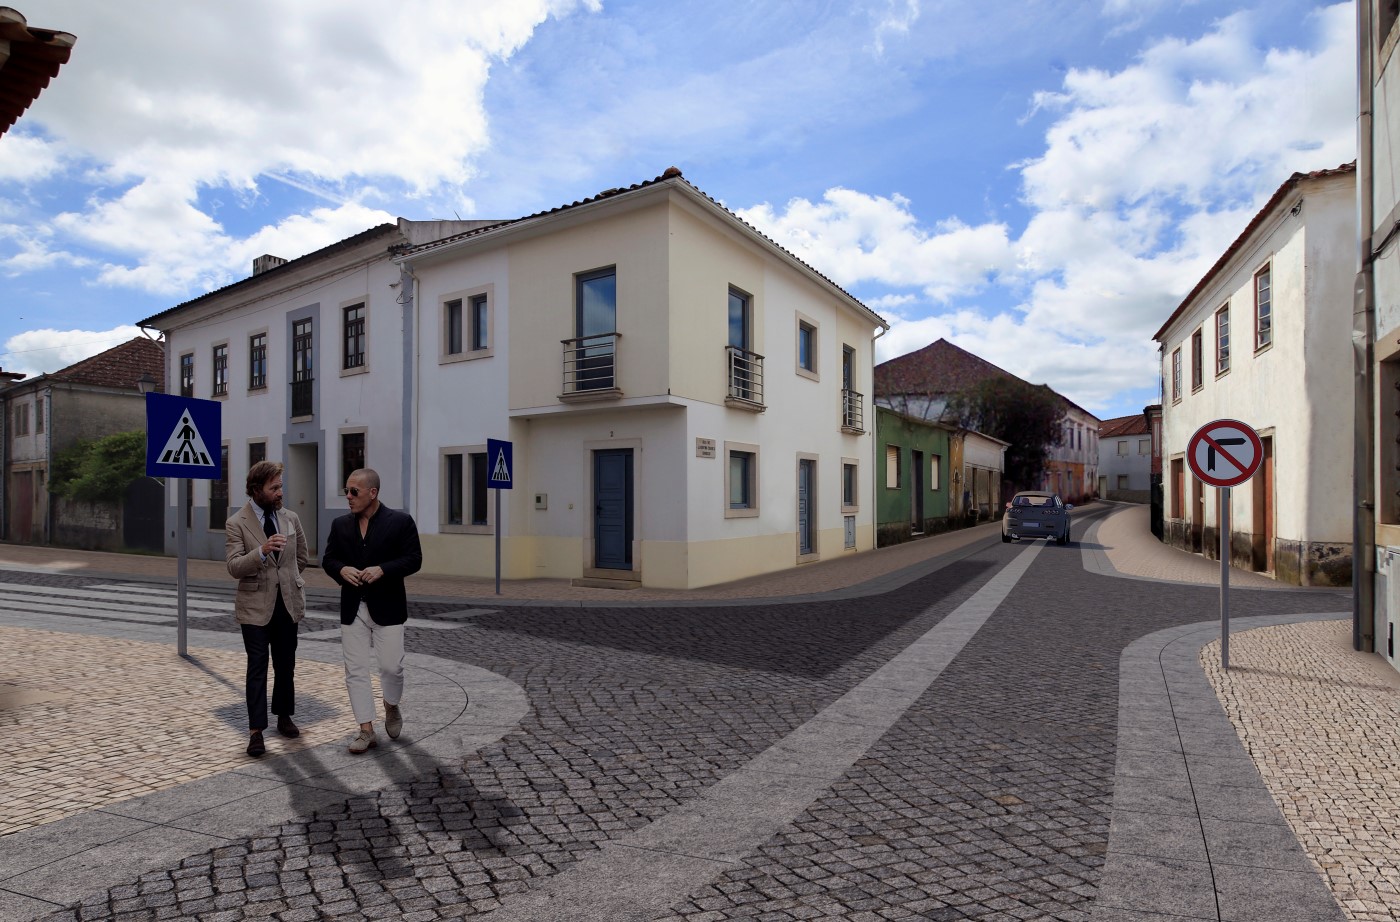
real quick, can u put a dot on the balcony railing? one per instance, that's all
(852, 411)
(302, 404)
(590, 365)
(745, 376)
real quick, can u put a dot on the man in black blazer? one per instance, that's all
(369, 553)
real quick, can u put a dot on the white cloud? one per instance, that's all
(341, 97)
(33, 251)
(895, 18)
(1148, 174)
(43, 351)
(26, 159)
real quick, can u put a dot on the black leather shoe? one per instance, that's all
(255, 744)
(287, 728)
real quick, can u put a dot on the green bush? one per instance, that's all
(99, 470)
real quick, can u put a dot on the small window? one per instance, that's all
(808, 345)
(1198, 359)
(257, 452)
(1263, 308)
(466, 325)
(1122, 447)
(740, 480)
(187, 375)
(218, 494)
(1144, 446)
(464, 501)
(21, 419)
(849, 496)
(935, 472)
(1122, 481)
(353, 325)
(452, 321)
(1222, 340)
(257, 361)
(39, 416)
(479, 322)
(220, 388)
(1176, 374)
(892, 454)
(478, 512)
(352, 455)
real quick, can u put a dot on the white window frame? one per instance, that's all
(464, 298)
(894, 453)
(935, 472)
(1222, 343)
(1264, 333)
(1176, 375)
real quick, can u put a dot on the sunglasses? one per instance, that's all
(355, 491)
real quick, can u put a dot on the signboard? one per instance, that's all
(183, 435)
(704, 448)
(1224, 453)
(499, 469)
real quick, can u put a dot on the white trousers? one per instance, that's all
(356, 640)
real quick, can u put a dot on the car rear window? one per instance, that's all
(1035, 501)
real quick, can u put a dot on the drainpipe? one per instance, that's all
(874, 446)
(1363, 338)
(408, 298)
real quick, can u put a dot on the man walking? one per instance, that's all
(369, 553)
(266, 551)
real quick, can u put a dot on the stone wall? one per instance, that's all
(87, 526)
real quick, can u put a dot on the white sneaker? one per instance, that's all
(393, 720)
(364, 741)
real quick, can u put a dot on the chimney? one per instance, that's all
(265, 262)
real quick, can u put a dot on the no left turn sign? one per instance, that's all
(1224, 453)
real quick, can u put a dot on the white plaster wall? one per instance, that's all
(1307, 410)
(1136, 467)
(979, 451)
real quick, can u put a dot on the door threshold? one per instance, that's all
(606, 582)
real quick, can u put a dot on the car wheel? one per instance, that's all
(1005, 538)
(1064, 539)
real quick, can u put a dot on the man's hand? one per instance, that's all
(372, 574)
(274, 544)
(352, 576)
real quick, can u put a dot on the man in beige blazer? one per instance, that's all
(266, 552)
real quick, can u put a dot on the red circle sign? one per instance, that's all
(1224, 453)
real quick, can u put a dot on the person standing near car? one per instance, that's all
(265, 549)
(370, 552)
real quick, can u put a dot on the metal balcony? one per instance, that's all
(745, 378)
(852, 411)
(590, 367)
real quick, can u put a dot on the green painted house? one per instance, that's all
(915, 459)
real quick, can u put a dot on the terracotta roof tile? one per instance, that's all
(941, 369)
(120, 366)
(35, 55)
(1123, 425)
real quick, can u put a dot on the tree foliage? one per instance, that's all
(99, 470)
(1030, 417)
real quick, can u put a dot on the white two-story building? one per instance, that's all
(687, 401)
(1265, 338)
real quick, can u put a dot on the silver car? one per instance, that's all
(1036, 515)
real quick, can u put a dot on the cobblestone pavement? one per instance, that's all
(989, 798)
(1321, 724)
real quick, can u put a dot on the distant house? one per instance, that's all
(921, 383)
(1265, 338)
(96, 397)
(1125, 459)
(915, 476)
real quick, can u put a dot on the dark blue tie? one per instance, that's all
(270, 528)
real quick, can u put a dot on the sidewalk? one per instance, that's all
(1317, 719)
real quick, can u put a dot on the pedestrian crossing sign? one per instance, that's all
(183, 437)
(498, 456)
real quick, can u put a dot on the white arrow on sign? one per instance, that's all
(1224, 453)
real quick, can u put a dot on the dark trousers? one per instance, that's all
(278, 636)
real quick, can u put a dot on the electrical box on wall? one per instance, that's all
(541, 500)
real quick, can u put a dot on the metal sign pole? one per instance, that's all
(182, 544)
(498, 542)
(1225, 577)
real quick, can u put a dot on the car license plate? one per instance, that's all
(1031, 524)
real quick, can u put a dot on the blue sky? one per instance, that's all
(1040, 186)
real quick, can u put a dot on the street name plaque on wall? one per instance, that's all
(704, 448)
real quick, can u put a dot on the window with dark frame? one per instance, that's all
(741, 465)
(257, 452)
(480, 323)
(848, 484)
(479, 514)
(1222, 340)
(353, 354)
(302, 369)
(257, 361)
(452, 492)
(806, 346)
(1263, 308)
(1198, 359)
(218, 494)
(21, 419)
(187, 375)
(220, 386)
(452, 322)
(352, 454)
(38, 415)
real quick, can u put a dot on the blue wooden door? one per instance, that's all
(612, 509)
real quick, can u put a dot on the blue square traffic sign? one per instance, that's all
(499, 472)
(183, 435)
